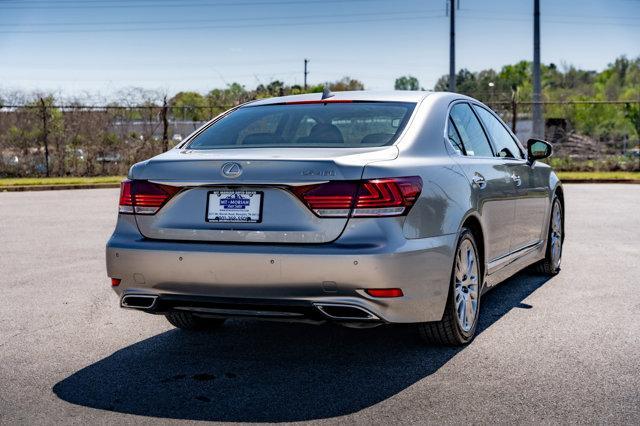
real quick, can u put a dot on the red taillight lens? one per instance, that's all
(387, 197)
(332, 199)
(384, 292)
(144, 197)
(115, 282)
(126, 200)
(375, 197)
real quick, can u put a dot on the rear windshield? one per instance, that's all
(352, 124)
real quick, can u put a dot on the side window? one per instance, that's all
(505, 146)
(454, 138)
(473, 138)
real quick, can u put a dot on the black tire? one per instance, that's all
(448, 331)
(190, 322)
(550, 266)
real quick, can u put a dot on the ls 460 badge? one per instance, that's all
(318, 173)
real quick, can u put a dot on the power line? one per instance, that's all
(491, 13)
(81, 2)
(550, 21)
(195, 28)
(147, 3)
(126, 4)
(191, 21)
(181, 78)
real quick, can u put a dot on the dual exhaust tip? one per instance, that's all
(138, 301)
(334, 311)
(337, 311)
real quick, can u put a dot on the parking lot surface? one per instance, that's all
(565, 349)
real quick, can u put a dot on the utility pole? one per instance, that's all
(306, 61)
(538, 123)
(45, 134)
(452, 45)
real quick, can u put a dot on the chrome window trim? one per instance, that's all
(513, 137)
(446, 132)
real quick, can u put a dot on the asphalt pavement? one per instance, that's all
(560, 350)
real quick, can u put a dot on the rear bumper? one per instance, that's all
(288, 275)
(225, 307)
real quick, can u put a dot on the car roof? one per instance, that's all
(356, 95)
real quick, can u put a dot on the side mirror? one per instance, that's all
(538, 149)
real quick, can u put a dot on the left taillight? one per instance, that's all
(144, 197)
(367, 198)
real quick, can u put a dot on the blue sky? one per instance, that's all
(100, 46)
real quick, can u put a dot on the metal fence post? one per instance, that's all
(45, 134)
(165, 126)
(514, 112)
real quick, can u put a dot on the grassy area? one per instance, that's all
(59, 180)
(116, 179)
(599, 175)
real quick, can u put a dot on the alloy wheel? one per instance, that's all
(556, 235)
(466, 285)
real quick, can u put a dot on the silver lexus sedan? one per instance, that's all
(360, 208)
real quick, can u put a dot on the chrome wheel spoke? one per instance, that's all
(469, 314)
(473, 291)
(461, 264)
(470, 260)
(459, 275)
(459, 299)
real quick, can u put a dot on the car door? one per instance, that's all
(531, 192)
(493, 189)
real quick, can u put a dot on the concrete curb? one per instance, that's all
(26, 188)
(631, 181)
(56, 187)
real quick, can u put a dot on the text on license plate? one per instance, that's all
(234, 206)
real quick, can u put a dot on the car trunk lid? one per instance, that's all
(270, 174)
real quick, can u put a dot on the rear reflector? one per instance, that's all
(115, 282)
(144, 197)
(369, 198)
(384, 292)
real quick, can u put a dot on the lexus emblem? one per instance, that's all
(231, 170)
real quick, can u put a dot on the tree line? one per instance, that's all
(45, 134)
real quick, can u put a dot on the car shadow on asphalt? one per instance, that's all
(254, 371)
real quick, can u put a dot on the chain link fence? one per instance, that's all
(42, 139)
(73, 140)
(587, 135)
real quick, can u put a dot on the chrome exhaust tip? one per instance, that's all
(336, 311)
(138, 301)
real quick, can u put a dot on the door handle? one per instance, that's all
(479, 180)
(516, 179)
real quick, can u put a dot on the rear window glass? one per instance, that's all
(352, 124)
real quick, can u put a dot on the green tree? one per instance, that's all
(620, 81)
(407, 82)
(346, 83)
(189, 106)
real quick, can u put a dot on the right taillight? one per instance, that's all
(144, 197)
(367, 198)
